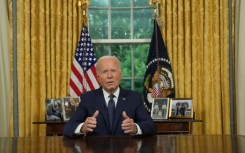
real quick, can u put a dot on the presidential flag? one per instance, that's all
(83, 73)
(158, 80)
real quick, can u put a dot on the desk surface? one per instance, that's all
(149, 144)
(157, 121)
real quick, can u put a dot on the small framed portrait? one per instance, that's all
(70, 105)
(160, 107)
(181, 108)
(54, 109)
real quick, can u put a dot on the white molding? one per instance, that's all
(120, 41)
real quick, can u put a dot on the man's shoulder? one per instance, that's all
(92, 93)
(128, 92)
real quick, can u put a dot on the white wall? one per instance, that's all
(4, 70)
(240, 65)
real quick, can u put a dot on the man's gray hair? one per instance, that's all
(107, 57)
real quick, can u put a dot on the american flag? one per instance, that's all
(83, 73)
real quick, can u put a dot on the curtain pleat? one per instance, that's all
(196, 35)
(197, 48)
(47, 36)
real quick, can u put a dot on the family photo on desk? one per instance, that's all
(181, 108)
(160, 108)
(59, 109)
(165, 108)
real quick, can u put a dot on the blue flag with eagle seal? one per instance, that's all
(158, 80)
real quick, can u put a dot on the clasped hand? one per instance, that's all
(128, 125)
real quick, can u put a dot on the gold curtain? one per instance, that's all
(195, 32)
(47, 36)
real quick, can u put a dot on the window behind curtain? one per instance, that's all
(122, 28)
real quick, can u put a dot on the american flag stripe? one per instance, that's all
(77, 73)
(78, 79)
(90, 85)
(75, 89)
(93, 79)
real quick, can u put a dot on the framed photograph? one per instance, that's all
(160, 107)
(181, 108)
(70, 105)
(54, 109)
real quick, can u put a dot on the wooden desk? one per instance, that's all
(170, 126)
(175, 126)
(149, 144)
(53, 128)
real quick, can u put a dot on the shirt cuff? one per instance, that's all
(139, 131)
(78, 129)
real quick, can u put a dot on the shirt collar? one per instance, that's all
(116, 93)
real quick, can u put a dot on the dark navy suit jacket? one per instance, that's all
(128, 101)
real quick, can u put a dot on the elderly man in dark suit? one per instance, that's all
(94, 115)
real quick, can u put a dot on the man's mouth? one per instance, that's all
(111, 82)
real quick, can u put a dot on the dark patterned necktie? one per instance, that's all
(111, 109)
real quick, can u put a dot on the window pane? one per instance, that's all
(120, 24)
(98, 24)
(138, 85)
(140, 3)
(123, 53)
(143, 25)
(122, 19)
(101, 50)
(120, 3)
(140, 57)
(126, 84)
(99, 3)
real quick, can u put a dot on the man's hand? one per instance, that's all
(90, 123)
(128, 125)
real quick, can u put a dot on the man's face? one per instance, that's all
(109, 74)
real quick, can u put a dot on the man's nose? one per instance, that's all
(109, 74)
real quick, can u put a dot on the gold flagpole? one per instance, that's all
(154, 3)
(84, 5)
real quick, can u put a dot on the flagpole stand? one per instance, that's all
(84, 5)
